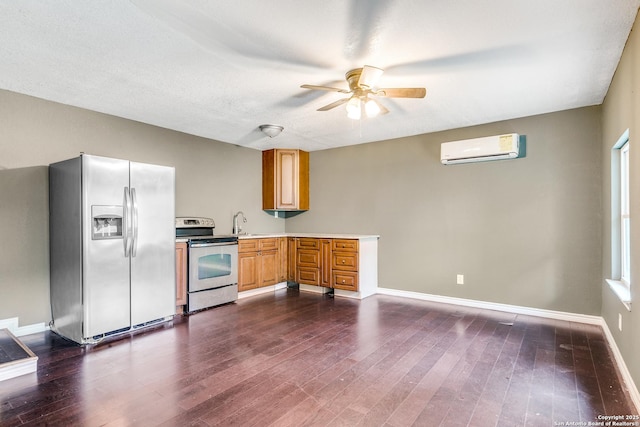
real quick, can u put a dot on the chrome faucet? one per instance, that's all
(236, 227)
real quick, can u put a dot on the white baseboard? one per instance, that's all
(626, 375)
(12, 324)
(515, 309)
(549, 314)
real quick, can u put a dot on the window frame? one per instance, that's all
(625, 221)
(620, 281)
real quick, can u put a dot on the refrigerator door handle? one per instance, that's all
(126, 219)
(134, 223)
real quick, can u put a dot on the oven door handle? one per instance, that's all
(205, 245)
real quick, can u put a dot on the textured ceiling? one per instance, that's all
(219, 69)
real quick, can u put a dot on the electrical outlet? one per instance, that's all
(620, 322)
(460, 279)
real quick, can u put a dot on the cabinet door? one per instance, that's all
(181, 275)
(287, 179)
(308, 258)
(345, 261)
(345, 280)
(308, 276)
(291, 259)
(268, 268)
(248, 271)
(248, 245)
(268, 244)
(345, 245)
(308, 243)
(325, 261)
(283, 261)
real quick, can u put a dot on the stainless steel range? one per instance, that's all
(212, 263)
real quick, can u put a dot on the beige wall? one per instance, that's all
(525, 232)
(621, 111)
(24, 254)
(212, 179)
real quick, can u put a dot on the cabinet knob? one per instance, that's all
(343, 280)
(343, 261)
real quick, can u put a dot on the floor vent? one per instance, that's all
(15, 358)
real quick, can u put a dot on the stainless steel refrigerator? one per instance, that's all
(112, 246)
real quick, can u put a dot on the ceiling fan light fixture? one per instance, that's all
(354, 108)
(271, 130)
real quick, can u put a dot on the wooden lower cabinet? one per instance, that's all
(344, 264)
(258, 263)
(181, 276)
(330, 263)
(308, 261)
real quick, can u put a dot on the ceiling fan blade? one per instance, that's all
(334, 104)
(369, 76)
(327, 88)
(405, 92)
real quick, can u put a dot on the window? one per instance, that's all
(625, 256)
(620, 282)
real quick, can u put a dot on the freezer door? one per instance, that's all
(153, 287)
(106, 297)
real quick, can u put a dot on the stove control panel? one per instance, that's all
(188, 222)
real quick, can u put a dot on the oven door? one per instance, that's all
(212, 265)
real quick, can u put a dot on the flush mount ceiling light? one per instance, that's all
(271, 130)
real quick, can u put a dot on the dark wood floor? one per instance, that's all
(292, 359)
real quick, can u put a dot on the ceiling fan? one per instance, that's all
(362, 87)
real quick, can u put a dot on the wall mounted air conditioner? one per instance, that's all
(497, 147)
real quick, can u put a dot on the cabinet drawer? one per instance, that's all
(308, 243)
(268, 244)
(346, 280)
(248, 245)
(345, 245)
(345, 261)
(307, 258)
(308, 276)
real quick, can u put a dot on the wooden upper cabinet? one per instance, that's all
(285, 180)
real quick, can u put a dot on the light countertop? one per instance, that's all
(312, 235)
